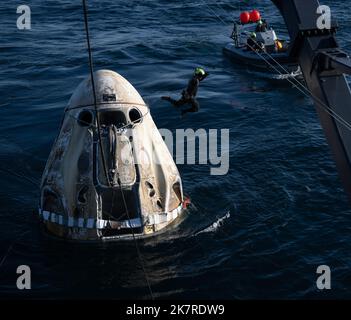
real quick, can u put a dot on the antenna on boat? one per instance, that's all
(91, 67)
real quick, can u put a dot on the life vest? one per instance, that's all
(279, 45)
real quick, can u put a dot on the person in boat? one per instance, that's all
(253, 45)
(278, 46)
(189, 94)
(261, 26)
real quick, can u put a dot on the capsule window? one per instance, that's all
(51, 202)
(85, 118)
(149, 185)
(135, 115)
(113, 117)
(82, 195)
(159, 204)
(177, 190)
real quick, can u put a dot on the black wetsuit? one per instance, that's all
(251, 44)
(261, 28)
(189, 95)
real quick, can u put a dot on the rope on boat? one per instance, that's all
(302, 88)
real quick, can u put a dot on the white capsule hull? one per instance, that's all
(131, 189)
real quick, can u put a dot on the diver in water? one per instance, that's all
(189, 95)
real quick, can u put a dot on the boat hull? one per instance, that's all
(261, 61)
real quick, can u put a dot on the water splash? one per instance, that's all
(215, 225)
(276, 76)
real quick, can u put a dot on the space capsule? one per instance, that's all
(110, 174)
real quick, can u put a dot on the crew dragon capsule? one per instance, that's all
(109, 175)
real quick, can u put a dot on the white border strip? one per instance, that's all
(108, 224)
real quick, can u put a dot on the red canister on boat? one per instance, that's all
(245, 17)
(255, 16)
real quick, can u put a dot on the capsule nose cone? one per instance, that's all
(109, 87)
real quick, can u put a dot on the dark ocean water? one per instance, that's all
(288, 211)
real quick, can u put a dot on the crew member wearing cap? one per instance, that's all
(261, 26)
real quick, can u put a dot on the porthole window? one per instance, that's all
(135, 115)
(159, 204)
(85, 118)
(149, 185)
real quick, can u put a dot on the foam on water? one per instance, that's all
(215, 225)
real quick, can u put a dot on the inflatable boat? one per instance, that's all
(261, 50)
